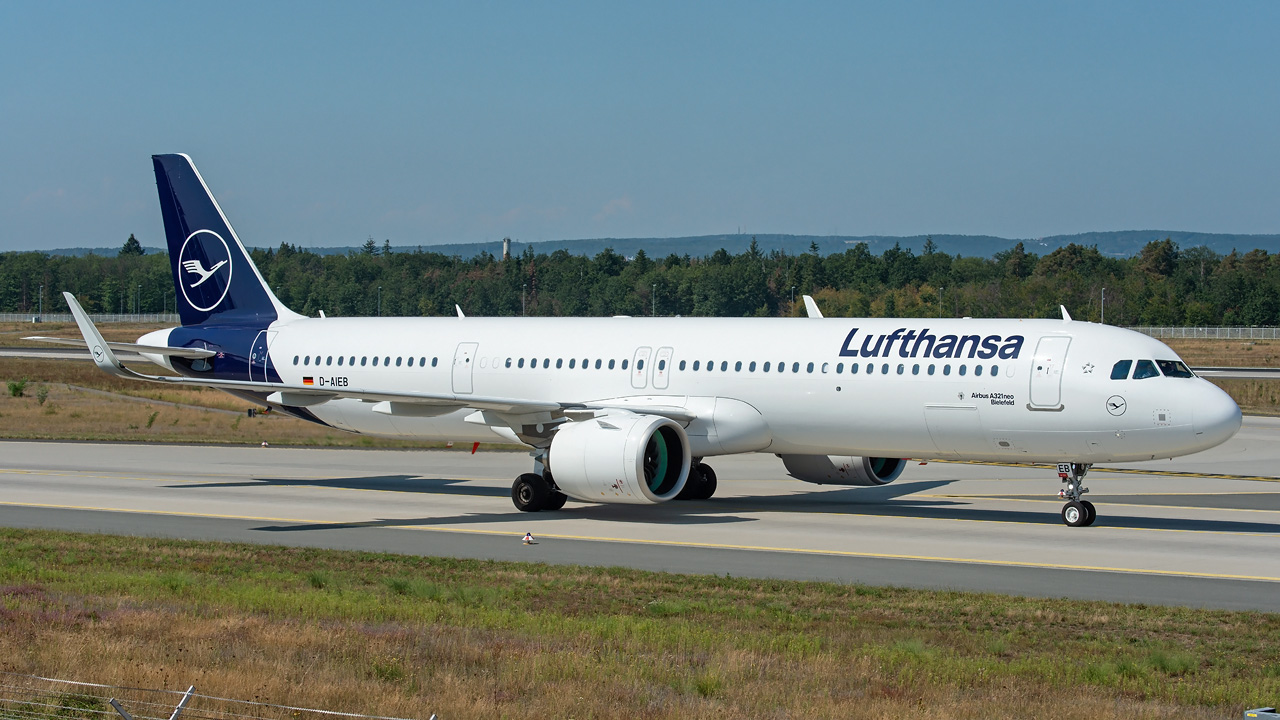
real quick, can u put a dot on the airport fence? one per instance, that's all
(30, 697)
(171, 318)
(1210, 333)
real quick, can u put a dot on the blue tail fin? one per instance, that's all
(215, 280)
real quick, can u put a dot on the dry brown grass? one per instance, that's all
(410, 636)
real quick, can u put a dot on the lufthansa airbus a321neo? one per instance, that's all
(627, 410)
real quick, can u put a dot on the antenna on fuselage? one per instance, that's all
(1066, 316)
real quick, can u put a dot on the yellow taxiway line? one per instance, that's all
(677, 543)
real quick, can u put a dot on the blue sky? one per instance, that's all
(323, 123)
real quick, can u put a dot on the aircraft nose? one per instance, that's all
(1217, 417)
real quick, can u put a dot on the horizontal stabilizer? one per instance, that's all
(193, 353)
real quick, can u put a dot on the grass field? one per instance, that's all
(408, 636)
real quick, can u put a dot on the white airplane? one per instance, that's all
(626, 410)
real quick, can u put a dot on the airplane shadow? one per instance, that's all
(385, 483)
(900, 499)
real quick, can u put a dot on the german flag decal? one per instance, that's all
(308, 380)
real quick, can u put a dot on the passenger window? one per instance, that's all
(639, 364)
(364, 360)
(963, 369)
(610, 364)
(573, 363)
(825, 367)
(737, 367)
(397, 362)
(766, 366)
(1120, 370)
(624, 364)
(597, 363)
(1145, 369)
(915, 369)
(662, 365)
(559, 363)
(839, 368)
(884, 369)
(306, 360)
(752, 366)
(853, 368)
(795, 367)
(930, 368)
(520, 364)
(352, 361)
(697, 364)
(809, 367)
(977, 370)
(724, 366)
(295, 359)
(546, 363)
(375, 362)
(422, 362)
(317, 360)
(995, 370)
(871, 368)
(340, 359)
(433, 362)
(946, 369)
(901, 367)
(1174, 369)
(386, 360)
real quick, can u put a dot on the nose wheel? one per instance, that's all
(1077, 512)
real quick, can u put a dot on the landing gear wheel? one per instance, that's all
(530, 493)
(1092, 513)
(708, 486)
(1074, 514)
(555, 500)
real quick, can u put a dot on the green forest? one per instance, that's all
(1162, 285)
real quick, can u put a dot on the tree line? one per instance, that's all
(1162, 285)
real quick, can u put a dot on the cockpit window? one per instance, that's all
(1145, 369)
(1120, 370)
(1174, 369)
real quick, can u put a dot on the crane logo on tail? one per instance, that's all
(206, 267)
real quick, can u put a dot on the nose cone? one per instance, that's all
(1217, 417)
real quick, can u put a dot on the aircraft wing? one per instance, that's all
(305, 395)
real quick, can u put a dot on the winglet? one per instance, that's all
(811, 307)
(98, 347)
(1066, 316)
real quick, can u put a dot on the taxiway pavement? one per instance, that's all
(1201, 531)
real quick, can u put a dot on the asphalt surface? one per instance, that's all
(1201, 531)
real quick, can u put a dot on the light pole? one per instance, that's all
(41, 302)
(939, 303)
(379, 301)
(523, 289)
(1102, 319)
(137, 304)
(653, 301)
(793, 294)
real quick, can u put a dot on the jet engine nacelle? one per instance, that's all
(621, 458)
(843, 469)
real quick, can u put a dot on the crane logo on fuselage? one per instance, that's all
(912, 343)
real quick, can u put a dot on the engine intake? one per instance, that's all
(843, 469)
(623, 458)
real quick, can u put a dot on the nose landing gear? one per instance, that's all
(1077, 512)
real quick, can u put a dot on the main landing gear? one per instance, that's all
(1077, 512)
(532, 492)
(701, 484)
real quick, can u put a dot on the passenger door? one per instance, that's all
(1046, 372)
(662, 368)
(463, 361)
(259, 359)
(640, 368)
